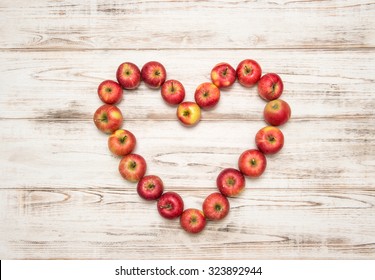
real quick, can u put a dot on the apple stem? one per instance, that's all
(225, 71)
(104, 118)
(132, 164)
(123, 139)
(167, 206)
(247, 70)
(274, 87)
(172, 88)
(253, 161)
(217, 207)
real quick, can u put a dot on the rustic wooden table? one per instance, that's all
(61, 196)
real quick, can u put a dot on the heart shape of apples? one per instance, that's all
(230, 181)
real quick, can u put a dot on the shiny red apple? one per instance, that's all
(269, 140)
(170, 205)
(277, 112)
(153, 74)
(193, 220)
(121, 142)
(108, 118)
(252, 163)
(128, 75)
(215, 206)
(270, 86)
(132, 167)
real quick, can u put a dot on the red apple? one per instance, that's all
(153, 74)
(252, 163)
(150, 187)
(230, 182)
(121, 142)
(173, 92)
(128, 75)
(270, 86)
(277, 112)
(188, 113)
(223, 75)
(192, 220)
(132, 167)
(248, 72)
(108, 118)
(215, 206)
(170, 205)
(207, 95)
(110, 92)
(269, 140)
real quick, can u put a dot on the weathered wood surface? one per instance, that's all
(60, 192)
(62, 85)
(186, 24)
(116, 223)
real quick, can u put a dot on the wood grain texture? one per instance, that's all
(185, 24)
(106, 223)
(70, 154)
(61, 196)
(63, 85)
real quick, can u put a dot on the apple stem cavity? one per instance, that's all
(225, 71)
(248, 70)
(231, 181)
(193, 219)
(271, 138)
(150, 186)
(167, 206)
(218, 207)
(132, 165)
(172, 87)
(104, 118)
(123, 139)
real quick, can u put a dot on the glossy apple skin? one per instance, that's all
(207, 95)
(270, 86)
(150, 187)
(193, 220)
(110, 92)
(223, 75)
(277, 112)
(188, 113)
(230, 182)
(269, 140)
(153, 74)
(128, 75)
(121, 142)
(170, 205)
(132, 167)
(108, 118)
(215, 206)
(173, 92)
(252, 163)
(248, 72)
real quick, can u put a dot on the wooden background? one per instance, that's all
(61, 196)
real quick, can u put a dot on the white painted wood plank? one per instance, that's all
(317, 154)
(116, 224)
(186, 24)
(60, 192)
(62, 85)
